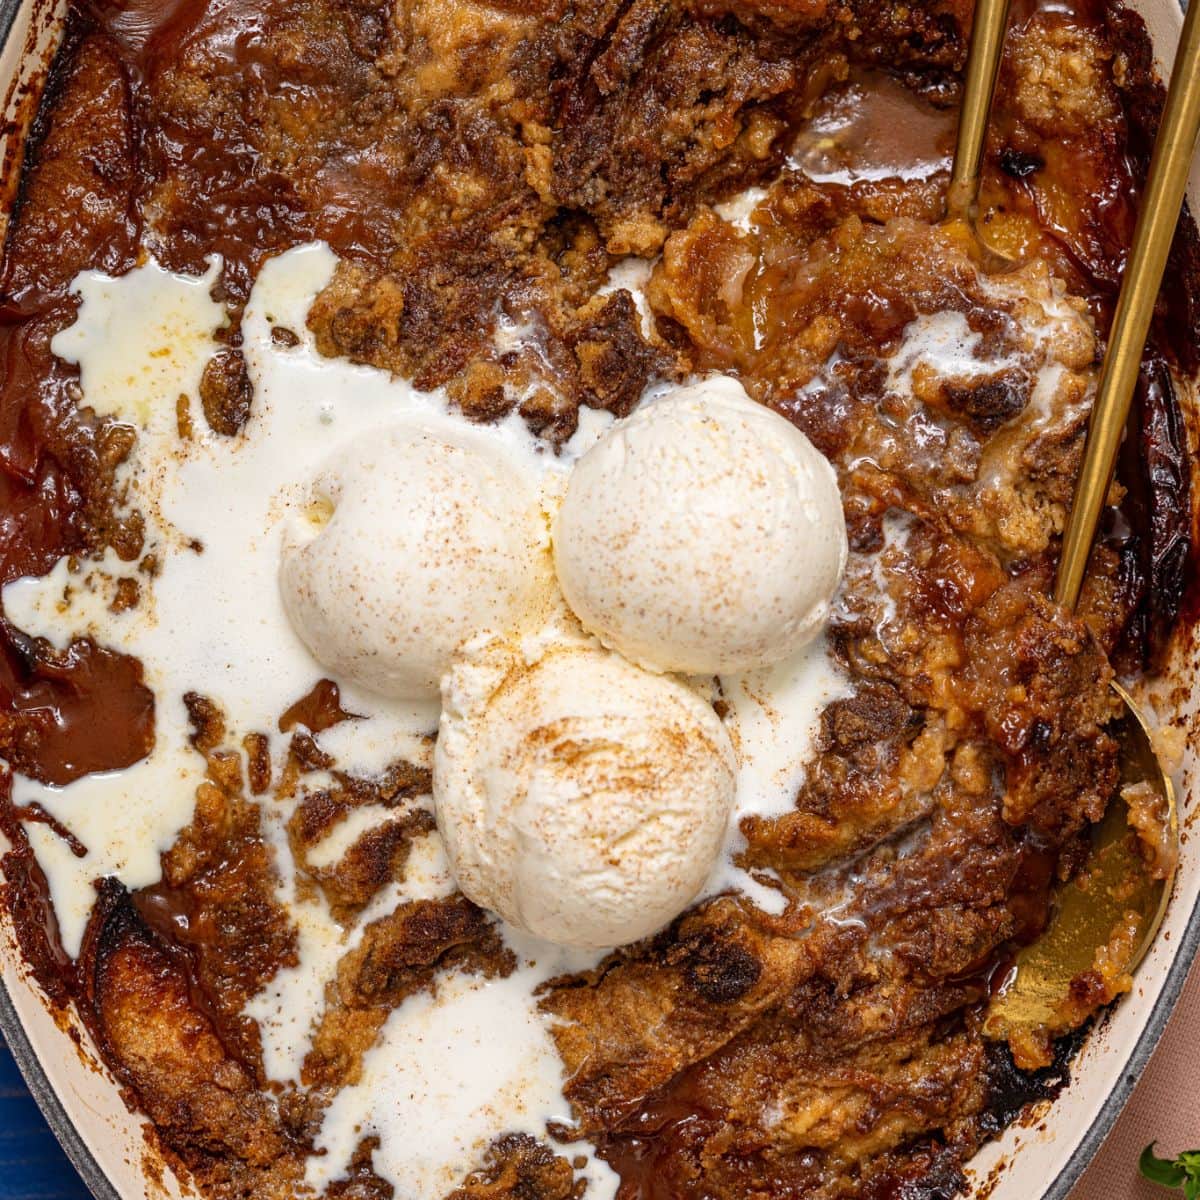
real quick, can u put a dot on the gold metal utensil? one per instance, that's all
(1118, 883)
(979, 86)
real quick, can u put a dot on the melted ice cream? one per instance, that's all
(212, 622)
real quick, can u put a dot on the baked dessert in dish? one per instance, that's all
(528, 667)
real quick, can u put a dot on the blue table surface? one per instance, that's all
(32, 1164)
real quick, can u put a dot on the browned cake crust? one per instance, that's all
(471, 162)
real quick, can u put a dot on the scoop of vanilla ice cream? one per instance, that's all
(581, 798)
(704, 534)
(415, 540)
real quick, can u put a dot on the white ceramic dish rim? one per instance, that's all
(100, 1183)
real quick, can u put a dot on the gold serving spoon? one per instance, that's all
(1118, 888)
(979, 86)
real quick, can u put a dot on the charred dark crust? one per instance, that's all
(1012, 1091)
(1156, 468)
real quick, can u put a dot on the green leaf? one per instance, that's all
(1191, 1189)
(1189, 1160)
(1163, 1170)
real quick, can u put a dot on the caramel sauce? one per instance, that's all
(320, 709)
(873, 128)
(27, 895)
(642, 1149)
(83, 711)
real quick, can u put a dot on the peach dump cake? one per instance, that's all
(527, 661)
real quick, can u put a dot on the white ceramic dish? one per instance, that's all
(107, 1143)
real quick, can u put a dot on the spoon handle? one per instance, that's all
(1157, 218)
(983, 66)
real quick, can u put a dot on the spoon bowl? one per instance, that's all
(1117, 894)
(979, 86)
